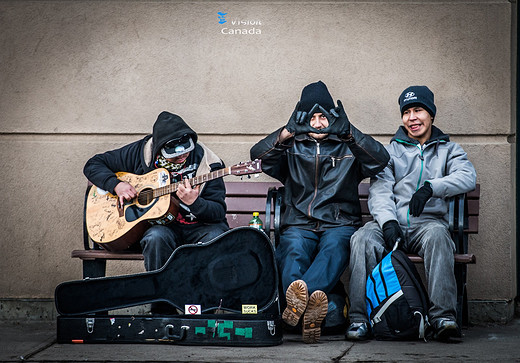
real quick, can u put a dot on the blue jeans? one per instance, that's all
(318, 258)
(159, 242)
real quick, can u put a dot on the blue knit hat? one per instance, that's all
(417, 96)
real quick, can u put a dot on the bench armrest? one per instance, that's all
(271, 192)
(458, 221)
(274, 205)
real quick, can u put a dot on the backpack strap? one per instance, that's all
(394, 297)
(412, 272)
(416, 279)
(422, 325)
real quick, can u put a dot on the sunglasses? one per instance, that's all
(178, 141)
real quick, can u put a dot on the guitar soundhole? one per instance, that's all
(145, 196)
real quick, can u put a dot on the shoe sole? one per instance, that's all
(297, 297)
(316, 311)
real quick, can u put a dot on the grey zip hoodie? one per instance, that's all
(439, 161)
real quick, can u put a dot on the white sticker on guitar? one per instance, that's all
(163, 179)
(101, 191)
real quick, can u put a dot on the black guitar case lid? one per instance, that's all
(234, 269)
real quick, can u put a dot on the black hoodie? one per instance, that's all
(139, 158)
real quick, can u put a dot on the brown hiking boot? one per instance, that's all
(297, 297)
(316, 310)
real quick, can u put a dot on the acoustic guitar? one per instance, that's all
(116, 227)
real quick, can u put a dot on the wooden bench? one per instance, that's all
(244, 198)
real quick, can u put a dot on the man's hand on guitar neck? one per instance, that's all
(186, 193)
(125, 191)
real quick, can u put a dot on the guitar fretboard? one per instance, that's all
(172, 188)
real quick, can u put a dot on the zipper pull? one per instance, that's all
(333, 161)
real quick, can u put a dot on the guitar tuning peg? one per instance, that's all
(241, 177)
(249, 177)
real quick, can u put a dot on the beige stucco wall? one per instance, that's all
(81, 77)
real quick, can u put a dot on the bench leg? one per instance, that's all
(94, 268)
(462, 299)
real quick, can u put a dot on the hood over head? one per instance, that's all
(169, 127)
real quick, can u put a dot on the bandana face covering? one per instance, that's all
(161, 162)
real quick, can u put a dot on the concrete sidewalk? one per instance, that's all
(35, 342)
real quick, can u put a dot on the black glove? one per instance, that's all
(298, 123)
(339, 123)
(391, 233)
(419, 199)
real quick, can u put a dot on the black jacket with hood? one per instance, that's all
(139, 158)
(321, 177)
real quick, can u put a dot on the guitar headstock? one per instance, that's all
(247, 167)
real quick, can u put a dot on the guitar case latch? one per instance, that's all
(271, 327)
(90, 325)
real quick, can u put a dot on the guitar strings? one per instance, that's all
(148, 195)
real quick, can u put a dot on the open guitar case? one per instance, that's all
(231, 280)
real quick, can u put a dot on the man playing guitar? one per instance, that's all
(173, 145)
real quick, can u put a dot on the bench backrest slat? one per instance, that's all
(249, 188)
(244, 198)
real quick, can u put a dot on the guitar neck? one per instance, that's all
(172, 188)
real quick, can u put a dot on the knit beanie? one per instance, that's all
(316, 93)
(417, 96)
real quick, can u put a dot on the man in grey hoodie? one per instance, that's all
(408, 201)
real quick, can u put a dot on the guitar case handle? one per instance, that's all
(169, 331)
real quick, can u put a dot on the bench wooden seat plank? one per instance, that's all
(106, 255)
(466, 258)
(126, 255)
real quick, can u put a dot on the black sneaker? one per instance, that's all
(444, 329)
(358, 331)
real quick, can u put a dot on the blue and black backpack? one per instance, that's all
(397, 302)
